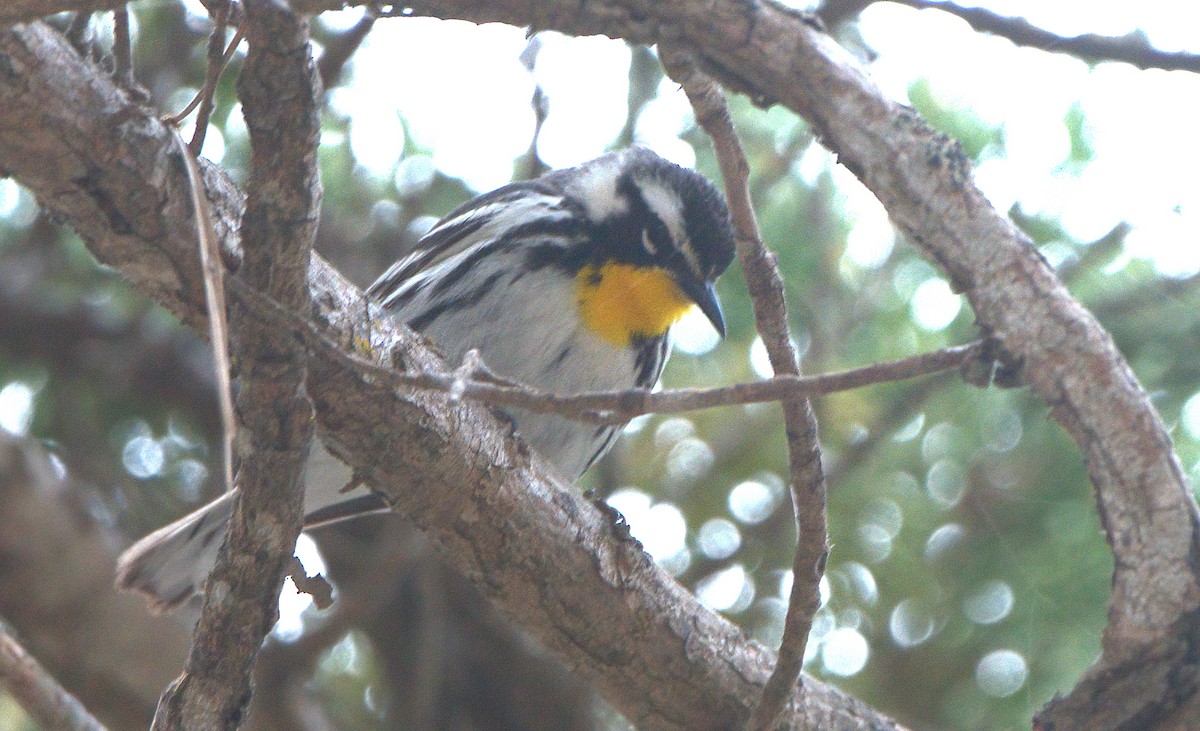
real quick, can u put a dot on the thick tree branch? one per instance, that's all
(923, 179)
(280, 94)
(540, 551)
(1148, 667)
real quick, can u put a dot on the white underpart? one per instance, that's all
(524, 344)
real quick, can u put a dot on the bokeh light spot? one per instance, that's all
(934, 306)
(16, 407)
(724, 590)
(752, 502)
(844, 652)
(946, 482)
(143, 457)
(911, 430)
(989, 604)
(943, 540)
(1190, 416)
(662, 531)
(875, 542)
(670, 431)
(1001, 673)
(1002, 429)
(862, 582)
(910, 623)
(719, 538)
(694, 334)
(689, 460)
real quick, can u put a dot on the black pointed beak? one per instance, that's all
(705, 297)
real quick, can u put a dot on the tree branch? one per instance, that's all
(56, 591)
(923, 180)
(280, 93)
(806, 479)
(540, 551)
(612, 407)
(341, 48)
(46, 702)
(122, 52)
(1133, 48)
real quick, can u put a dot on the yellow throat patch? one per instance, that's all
(620, 301)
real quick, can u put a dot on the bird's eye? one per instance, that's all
(647, 243)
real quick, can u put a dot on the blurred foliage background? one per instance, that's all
(969, 575)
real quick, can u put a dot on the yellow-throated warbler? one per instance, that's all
(567, 283)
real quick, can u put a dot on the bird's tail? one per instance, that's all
(169, 565)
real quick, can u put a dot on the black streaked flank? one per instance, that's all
(430, 247)
(462, 301)
(561, 357)
(606, 435)
(401, 299)
(457, 275)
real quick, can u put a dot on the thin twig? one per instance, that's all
(339, 50)
(216, 64)
(1132, 48)
(218, 57)
(530, 164)
(214, 300)
(46, 702)
(77, 32)
(122, 49)
(806, 478)
(607, 407)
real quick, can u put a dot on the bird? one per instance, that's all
(567, 283)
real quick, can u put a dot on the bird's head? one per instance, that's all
(660, 236)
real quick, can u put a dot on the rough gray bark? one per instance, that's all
(1148, 673)
(542, 553)
(280, 94)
